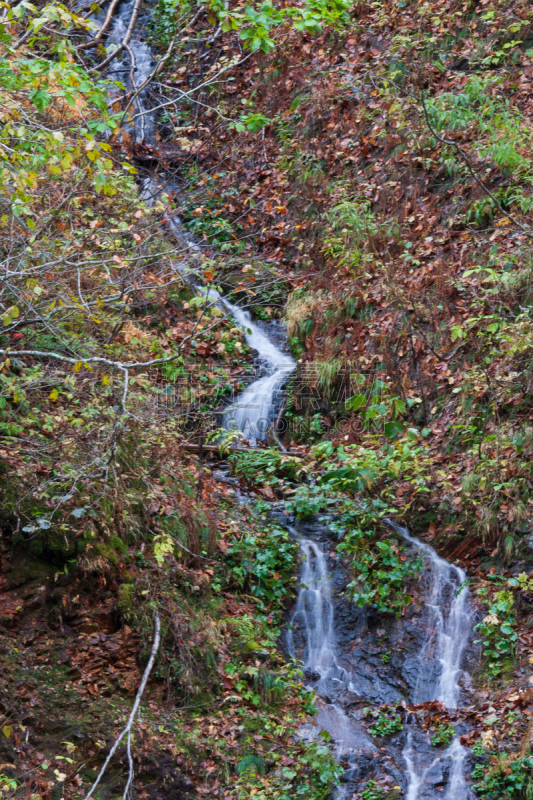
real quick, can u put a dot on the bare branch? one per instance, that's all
(127, 729)
(103, 27)
(127, 37)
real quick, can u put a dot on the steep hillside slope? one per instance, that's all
(361, 172)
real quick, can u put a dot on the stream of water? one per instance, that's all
(449, 617)
(314, 612)
(254, 410)
(449, 623)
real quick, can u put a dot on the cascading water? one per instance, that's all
(448, 602)
(133, 68)
(450, 624)
(314, 608)
(130, 69)
(438, 663)
(311, 637)
(314, 618)
(253, 411)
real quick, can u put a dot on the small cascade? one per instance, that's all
(439, 661)
(131, 69)
(254, 410)
(311, 637)
(313, 621)
(414, 779)
(314, 610)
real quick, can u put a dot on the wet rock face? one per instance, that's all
(377, 660)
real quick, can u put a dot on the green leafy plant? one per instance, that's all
(498, 631)
(265, 563)
(378, 408)
(251, 763)
(256, 24)
(251, 122)
(509, 777)
(265, 465)
(442, 735)
(166, 15)
(478, 749)
(310, 777)
(7, 785)
(385, 725)
(372, 791)
(307, 501)
(381, 569)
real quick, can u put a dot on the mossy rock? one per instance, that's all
(27, 570)
(112, 549)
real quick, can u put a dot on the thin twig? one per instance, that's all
(127, 729)
(126, 39)
(103, 27)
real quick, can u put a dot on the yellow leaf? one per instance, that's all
(105, 380)
(77, 366)
(54, 394)
(7, 729)
(66, 161)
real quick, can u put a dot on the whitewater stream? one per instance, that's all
(440, 659)
(344, 678)
(254, 411)
(348, 659)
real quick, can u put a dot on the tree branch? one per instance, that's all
(103, 27)
(126, 39)
(127, 729)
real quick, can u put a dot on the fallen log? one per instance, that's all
(215, 448)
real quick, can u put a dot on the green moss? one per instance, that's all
(112, 549)
(118, 545)
(126, 594)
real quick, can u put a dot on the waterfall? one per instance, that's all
(314, 609)
(254, 409)
(131, 69)
(314, 617)
(447, 600)
(311, 637)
